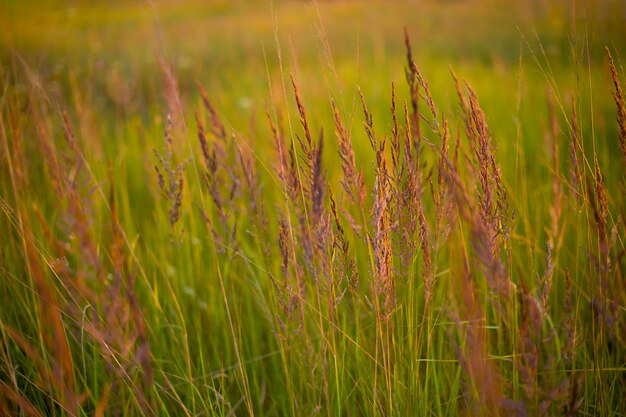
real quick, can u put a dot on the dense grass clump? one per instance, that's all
(324, 262)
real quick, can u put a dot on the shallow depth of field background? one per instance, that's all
(104, 60)
(200, 332)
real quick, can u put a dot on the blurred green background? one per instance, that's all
(100, 60)
(231, 47)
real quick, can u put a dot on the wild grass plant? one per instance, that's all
(327, 263)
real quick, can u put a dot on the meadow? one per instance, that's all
(298, 208)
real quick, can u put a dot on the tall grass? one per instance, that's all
(425, 278)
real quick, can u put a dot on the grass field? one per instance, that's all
(338, 208)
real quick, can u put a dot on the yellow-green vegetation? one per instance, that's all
(385, 208)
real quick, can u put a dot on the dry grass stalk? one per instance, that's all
(399, 211)
(135, 327)
(312, 222)
(575, 164)
(495, 213)
(170, 179)
(10, 394)
(33, 354)
(484, 389)
(483, 155)
(385, 283)
(287, 166)
(604, 308)
(210, 157)
(555, 234)
(442, 164)
(408, 192)
(50, 153)
(426, 96)
(283, 244)
(54, 333)
(569, 322)
(395, 146)
(347, 263)
(462, 101)
(369, 124)
(318, 181)
(353, 182)
(601, 212)
(427, 268)
(545, 284)
(294, 182)
(491, 222)
(217, 127)
(220, 146)
(417, 82)
(220, 177)
(575, 401)
(411, 202)
(68, 132)
(494, 271)
(208, 153)
(528, 362)
(307, 145)
(302, 111)
(543, 395)
(279, 146)
(79, 206)
(442, 198)
(411, 145)
(413, 88)
(618, 95)
(171, 91)
(412, 189)
(256, 200)
(62, 187)
(288, 289)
